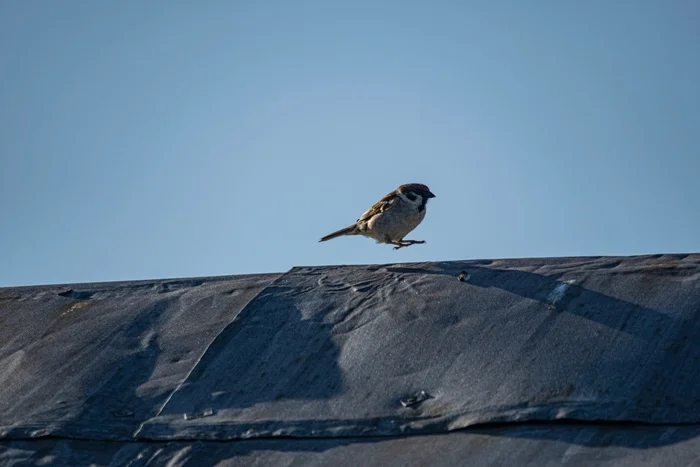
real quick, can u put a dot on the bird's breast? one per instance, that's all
(395, 223)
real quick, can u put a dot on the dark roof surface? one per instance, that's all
(344, 356)
(514, 445)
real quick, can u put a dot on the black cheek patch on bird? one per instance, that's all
(422, 205)
(411, 196)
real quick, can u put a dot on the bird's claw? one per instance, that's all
(405, 243)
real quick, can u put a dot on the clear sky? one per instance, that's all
(177, 139)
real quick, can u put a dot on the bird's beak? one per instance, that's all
(430, 194)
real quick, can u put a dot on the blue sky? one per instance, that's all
(141, 141)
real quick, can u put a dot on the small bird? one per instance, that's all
(392, 217)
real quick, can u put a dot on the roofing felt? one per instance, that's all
(351, 352)
(507, 445)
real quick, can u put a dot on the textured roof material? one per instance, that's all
(96, 360)
(512, 445)
(346, 356)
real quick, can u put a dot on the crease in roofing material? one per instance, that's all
(204, 352)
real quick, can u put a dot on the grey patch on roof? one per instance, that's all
(331, 351)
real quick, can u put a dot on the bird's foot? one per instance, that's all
(405, 243)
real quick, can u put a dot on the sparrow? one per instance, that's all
(392, 217)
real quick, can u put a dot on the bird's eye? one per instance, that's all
(411, 196)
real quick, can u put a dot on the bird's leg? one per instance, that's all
(413, 242)
(405, 243)
(398, 243)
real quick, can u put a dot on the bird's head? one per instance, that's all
(416, 193)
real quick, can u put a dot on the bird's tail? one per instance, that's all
(350, 230)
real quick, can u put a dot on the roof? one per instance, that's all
(444, 362)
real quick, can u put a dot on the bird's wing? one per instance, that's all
(379, 207)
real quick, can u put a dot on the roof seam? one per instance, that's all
(475, 428)
(204, 352)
